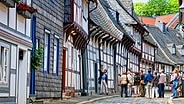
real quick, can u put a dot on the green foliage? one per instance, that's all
(36, 58)
(16, 1)
(156, 7)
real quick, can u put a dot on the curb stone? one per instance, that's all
(96, 99)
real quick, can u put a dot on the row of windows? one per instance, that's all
(47, 53)
(148, 49)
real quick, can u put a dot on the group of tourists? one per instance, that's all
(150, 85)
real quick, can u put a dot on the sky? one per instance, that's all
(144, 1)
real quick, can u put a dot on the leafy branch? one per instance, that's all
(36, 58)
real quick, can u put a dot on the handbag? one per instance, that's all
(142, 82)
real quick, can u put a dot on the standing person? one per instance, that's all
(142, 84)
(180, 84)
(123, 81)
(155, 85)
(161, 84)
(175, 84)
(148, 81)
(100, 78)
(136, 83)
(129, 76)
(104, 82)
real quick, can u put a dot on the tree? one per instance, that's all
(156, 7)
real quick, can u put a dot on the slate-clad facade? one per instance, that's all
(46, 82)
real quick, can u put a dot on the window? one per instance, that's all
(4, 64)
(182, 51)
(56, 55)
(174, 49)
(46, 51)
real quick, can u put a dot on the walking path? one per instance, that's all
(96, 98)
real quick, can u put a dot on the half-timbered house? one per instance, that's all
(15, 52)
(75, 42)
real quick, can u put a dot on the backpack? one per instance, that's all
(103, 76)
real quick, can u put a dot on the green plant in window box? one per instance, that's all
(36, 58)
(16, 1)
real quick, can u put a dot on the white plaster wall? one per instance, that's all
(28, 70)
(3, 14)
(13, 57)
(13, 66)
(28, 27)
(12, 17)
(22, 79)
(12, 84)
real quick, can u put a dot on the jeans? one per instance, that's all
(123, 89)
(161, 90)
(174, 88)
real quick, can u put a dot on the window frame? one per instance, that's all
(55, 63)
(6, 46)
(47, 59)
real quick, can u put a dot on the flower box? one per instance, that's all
(25, 14)
(25, 10)
(8, 3)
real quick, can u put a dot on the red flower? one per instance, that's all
(25, 7)
(22, 6)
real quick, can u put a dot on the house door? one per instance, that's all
(63, 70)
(96, 77)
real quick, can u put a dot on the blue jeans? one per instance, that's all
(174, 88)
(124, 89)
(161, 90)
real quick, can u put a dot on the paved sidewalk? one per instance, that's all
(96, 97)
(82, 99)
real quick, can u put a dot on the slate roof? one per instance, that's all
(163, 40)
(101, 18)
(112, 16)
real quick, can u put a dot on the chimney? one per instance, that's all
(161, 26)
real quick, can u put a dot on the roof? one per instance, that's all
(163, 39)
(171, 20)
(147, 20)
(165, 18)
(100, 17)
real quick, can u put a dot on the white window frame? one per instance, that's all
(46, 46)
(55, 59)
(4, 74)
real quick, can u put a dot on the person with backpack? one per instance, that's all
(104, 82)
(148, 82)
(124, 84)
(155, 85)
(142, 84)
(136, 83)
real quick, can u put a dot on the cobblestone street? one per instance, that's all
(132, 100)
